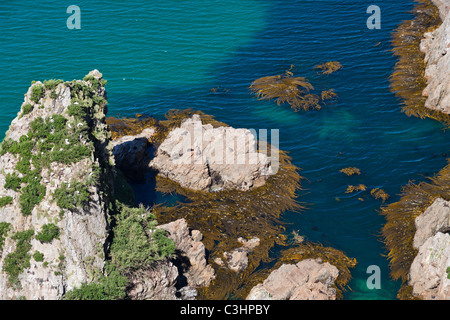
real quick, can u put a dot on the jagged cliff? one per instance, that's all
(54, 159)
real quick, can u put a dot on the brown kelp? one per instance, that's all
(407, 81)
(226, 215)
(379, 193)
(399, 230)
(359, 187)
(120, 127)
(286, 88)
(328, 67)
(350, 171)
(328, 95)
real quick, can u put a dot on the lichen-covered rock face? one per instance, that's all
(436, 46)
(436, 218)
(307, 280)
(53, 165)
(428, 274)
(201, 157)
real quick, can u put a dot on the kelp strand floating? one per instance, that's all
(295, 91)
(329, 67)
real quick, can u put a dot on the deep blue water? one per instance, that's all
(162, 55)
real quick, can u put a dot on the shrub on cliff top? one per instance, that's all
(135, 245)
(37, 92)
(26, 109)
(52, 84)
(31, 195)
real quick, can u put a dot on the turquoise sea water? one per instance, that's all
(162, 55)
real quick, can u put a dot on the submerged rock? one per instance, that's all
(201, 157)
(307, 280)
(237, 259)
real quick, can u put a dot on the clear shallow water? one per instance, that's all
(161, 56)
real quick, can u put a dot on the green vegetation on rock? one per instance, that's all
(5, 201)
(18, 260)
(136, 243)
(75, 196)
(37, 92)
(49, 232)
(38, 256)
(4, 228)
(108, 287)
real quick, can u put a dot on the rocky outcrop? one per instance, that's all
(436, 46)
(192, 251)
(158, 283)
(428, 273)
(307, 280)
(436, 218)
(179, 277)
(201, 157)
(34, 267)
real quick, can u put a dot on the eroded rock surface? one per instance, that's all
(428, 273)
(436, 46)
(237, 259)
(131, 152)
(307, 280)
(436, 218)
(188, 243)
(201, 157)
